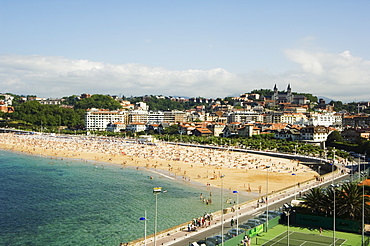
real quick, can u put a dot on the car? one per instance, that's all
(264, 216)
(255, 221)
(220, 237)
(227, 236)
(251, 224)
(245, 226)
(277, 213)
(215, 240)
(234, 232)
(263, 220)
(205, 243)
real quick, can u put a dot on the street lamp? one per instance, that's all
(156, 191)
(363, 214)
(295, 184)
(236, 209)
(295, 149)
(332, 170)
(288, 210)
(267, 200)
(144, 219)
(359, 168)
(222, 210)
(363, 211)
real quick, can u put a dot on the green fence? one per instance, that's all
(274, 222)
(327, 223)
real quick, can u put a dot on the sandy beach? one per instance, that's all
(243, 172)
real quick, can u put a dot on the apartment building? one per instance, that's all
(288, 118)
(315, 133)
(141, 116)
(98, 120)
(362, 121)
(174, 116)
(324, 119)
(136, 127)
(155, 117)
(244, 116)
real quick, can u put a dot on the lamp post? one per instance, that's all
(363, 212)
(288, 226)
(295, 149)
(222, 210)
(236, 209)
(288, 209)
(359, 168)
(144, 218)
(332, 170)
(156, 191)
(295, 184)
(267, 200)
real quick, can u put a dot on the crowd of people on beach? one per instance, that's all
(72, 146)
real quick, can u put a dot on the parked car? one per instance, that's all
(255, 221)
(264, 216)
(215, 240)
(205, 243)
(234, 232)
(220, 237)
(245, 226)
(227, 236)
(251, 224)
(277, 213)
(263, 220)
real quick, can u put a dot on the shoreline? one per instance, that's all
(243, 172)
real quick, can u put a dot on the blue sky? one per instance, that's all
(190, 48)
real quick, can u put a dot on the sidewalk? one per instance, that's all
(175, 235)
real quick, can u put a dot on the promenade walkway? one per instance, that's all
(180, 236)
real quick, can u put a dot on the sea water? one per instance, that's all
(49, 201)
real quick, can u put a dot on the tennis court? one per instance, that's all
(299, 238)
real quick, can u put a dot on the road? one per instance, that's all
(247, 211)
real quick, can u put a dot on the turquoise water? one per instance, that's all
(46, 201)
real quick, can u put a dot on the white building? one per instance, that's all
(293, 118)
(314, 134)
(244, 116)
(138, 116)
(98, 120)
(324, 119)
(136, 127)
(8, 99)
(116, 127)
(155, 117)
(174, 116)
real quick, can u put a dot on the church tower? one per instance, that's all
(289, 95)
(276, 94)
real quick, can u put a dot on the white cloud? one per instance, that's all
(338, 76)
(58, 76)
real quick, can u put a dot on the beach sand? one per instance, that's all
(243, 172)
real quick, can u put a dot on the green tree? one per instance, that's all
(334, 136)
(70, 100)
(98, 101)
(172, 130)
(316, 200)
(348, 201)
(349, 205)
(47, 115)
